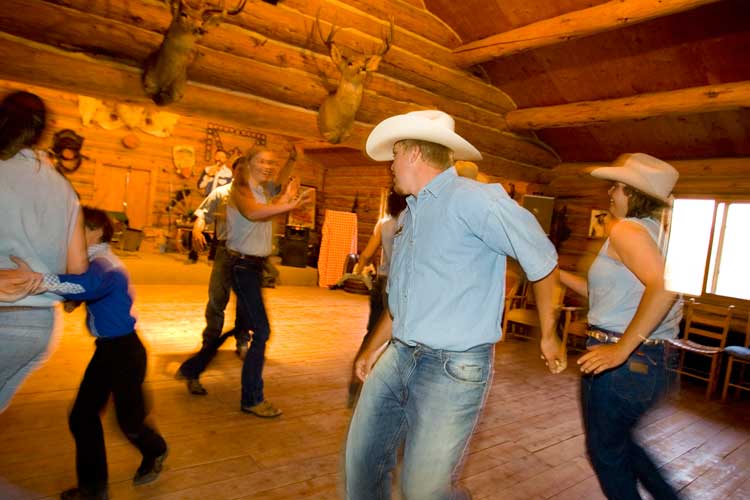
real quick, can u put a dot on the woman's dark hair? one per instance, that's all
(23, 117)
(395, 204)
(640, 204)
(94, 218)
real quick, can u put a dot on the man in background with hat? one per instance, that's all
(446, 293)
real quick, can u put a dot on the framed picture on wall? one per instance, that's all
(599, 223)
(305, 215)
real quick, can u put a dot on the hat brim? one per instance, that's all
(631, 178)
(380, 143)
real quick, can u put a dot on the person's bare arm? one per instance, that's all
(553, 350)
(17, 283)
(372, 246)
(242, 197)
(199, 241)
(637, 250)
(370, 354)
(77, 259)
(576, 283)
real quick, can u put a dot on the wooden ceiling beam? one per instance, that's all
(286, 35)
(39, 64)
(710, 98)
(609, 16)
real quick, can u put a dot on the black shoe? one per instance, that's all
(150, 469)
(82, 494)
(194, 385)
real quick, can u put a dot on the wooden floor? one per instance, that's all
(529, 444)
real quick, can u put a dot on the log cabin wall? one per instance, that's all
(365, 181)
(153, 178)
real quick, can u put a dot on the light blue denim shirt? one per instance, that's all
(446, 284)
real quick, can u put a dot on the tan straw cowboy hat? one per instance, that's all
(643, 172)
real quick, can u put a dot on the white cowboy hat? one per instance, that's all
(428, 125)
(645, 173)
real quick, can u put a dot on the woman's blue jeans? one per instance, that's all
(426, 399)
(612, 404)
(25, 334)
(246, 280)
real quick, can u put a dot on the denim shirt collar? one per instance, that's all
(437, 184)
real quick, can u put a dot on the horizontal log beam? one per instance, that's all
(69, 28)
(412, 59)
(39, 64)
(694, 100)
(267, 69)
(695, 167)
(609, 16)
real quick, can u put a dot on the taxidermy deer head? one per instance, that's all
(165, 73)
(336, 114)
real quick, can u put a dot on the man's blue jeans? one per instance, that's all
(246, 279)
(612, 403)
(430, 401)
(219, 286)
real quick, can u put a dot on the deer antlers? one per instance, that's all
(387, 37)
(337, 112)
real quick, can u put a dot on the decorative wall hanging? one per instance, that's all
(183, 157)
(304, 216)
(112, 116)
(213, 140)
(599, 223)
(66, 150)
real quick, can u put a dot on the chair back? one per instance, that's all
(706, 321)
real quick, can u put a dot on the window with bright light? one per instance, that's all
(707, 250)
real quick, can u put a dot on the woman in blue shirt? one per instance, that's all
(630, 316)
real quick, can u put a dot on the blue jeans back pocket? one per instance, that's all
(635, 380)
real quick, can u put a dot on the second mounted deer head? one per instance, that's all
(336, 113)
(165, 73)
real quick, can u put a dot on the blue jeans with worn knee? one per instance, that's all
(25, 333)
(246, 280)
(612, 404)
(427, 399)
(219, 286)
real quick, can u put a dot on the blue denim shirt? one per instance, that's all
(447, 280)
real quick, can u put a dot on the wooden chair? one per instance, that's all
(513, 282)
(705, 334)
(520, 315)
(741, 356)
(574, 323)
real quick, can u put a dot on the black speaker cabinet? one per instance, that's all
(541, 207)
(294, 247)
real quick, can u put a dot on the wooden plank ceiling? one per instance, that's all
(701, 45)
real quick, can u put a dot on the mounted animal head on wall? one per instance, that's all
(336, 113)
(165, 73)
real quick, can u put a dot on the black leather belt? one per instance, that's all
(255, 259)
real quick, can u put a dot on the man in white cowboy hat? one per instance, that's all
(446, 290)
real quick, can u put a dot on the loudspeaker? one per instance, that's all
(541, 207)
(294, 246)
